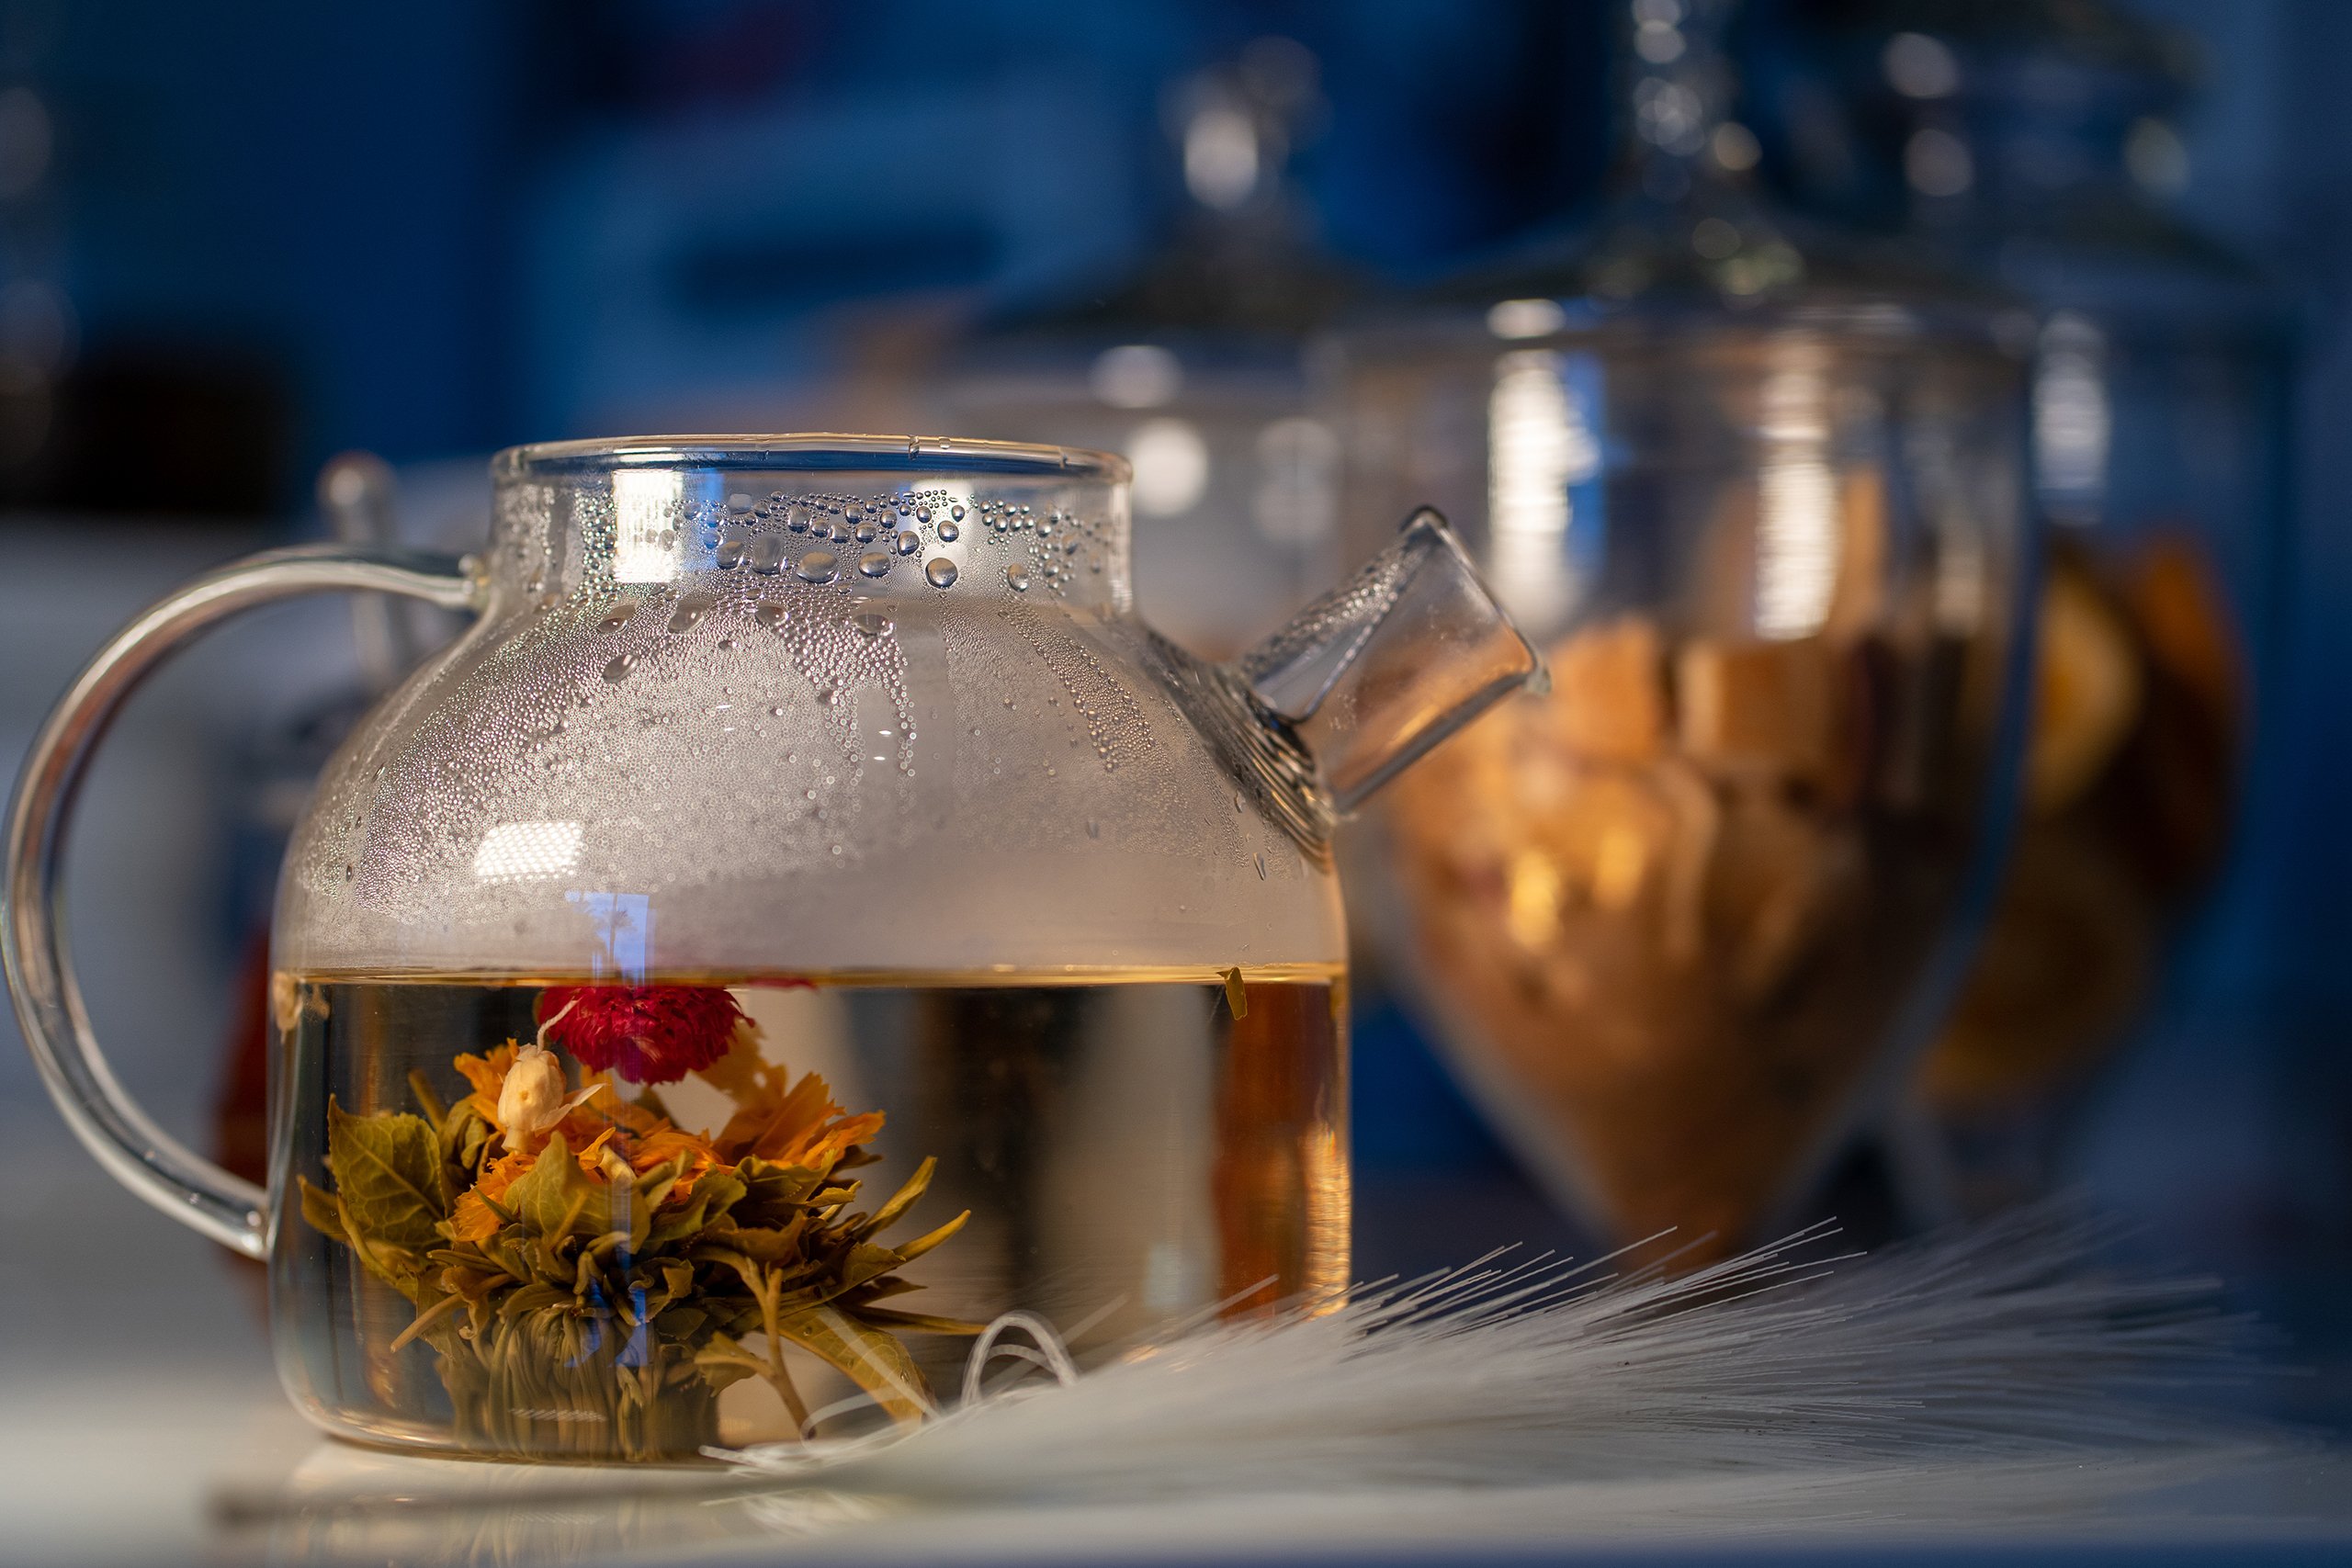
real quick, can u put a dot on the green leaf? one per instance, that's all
(427, 1098)
(873, 1360)
(318, 1207)
(917, 1323)
(463, 1136)
(723, 1361)
(556, 1199)
(929, 1239)
(772, 1193)
(865, 1261)
(716, 1193)
(779, 1244)
(388, 1174)
(904, 1198)
(681, 1322)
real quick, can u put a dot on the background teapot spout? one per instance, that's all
(1376, 672)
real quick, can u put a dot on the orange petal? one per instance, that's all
(488, 1075)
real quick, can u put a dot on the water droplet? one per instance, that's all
(870, 624)
(909, 544)
(1016, 577)
(841, 534)
(865, 533)
(1093, 828)
(949, 533)
(819, 566)
(1262, 867)
(798, 522)
(940, 573)
(690, 609)
(618, 617)
(1240, 801)
(922, 514)
(739, 501)
(617, 670)
(726, 644)
(825, 695)
(776, 712)
(956, 512)
(875, 563)
(854, 515)
(1046, 529)
(771, 615)
(765, 554)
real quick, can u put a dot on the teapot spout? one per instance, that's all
(1376, 672)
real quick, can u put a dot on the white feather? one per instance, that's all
(2004, 1351)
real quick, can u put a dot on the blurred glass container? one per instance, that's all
(1194, 369)
(1761, 498)
(2034, 143)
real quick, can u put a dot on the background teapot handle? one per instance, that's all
(32, 937)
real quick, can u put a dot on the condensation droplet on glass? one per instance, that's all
(865, 533)
(690, 610)
(907, 544)
(771, 615)
(1016, 577)
(765, 554)
(956, 512)
(817, 566)
(776, 712)
(730, 554)
(949, 533)
(618, 617)
(875, 563)
(726, 644)
(1262, 867)
(940, 573)
(1093, 828)
(617, 670)
(871, 624)
(1240, 801)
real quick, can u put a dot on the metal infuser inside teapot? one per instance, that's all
(808, 915)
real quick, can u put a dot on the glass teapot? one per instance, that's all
(808, 915)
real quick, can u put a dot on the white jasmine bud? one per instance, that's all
(535, 1095)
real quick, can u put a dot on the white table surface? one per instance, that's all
(141, 1423)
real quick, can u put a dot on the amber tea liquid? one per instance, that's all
(1134, 1149)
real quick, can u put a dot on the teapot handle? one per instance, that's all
(32, 937)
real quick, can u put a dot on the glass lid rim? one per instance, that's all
(814, 452)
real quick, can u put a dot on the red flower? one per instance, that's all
(645, 1034)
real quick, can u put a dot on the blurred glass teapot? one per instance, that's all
(807, 916)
